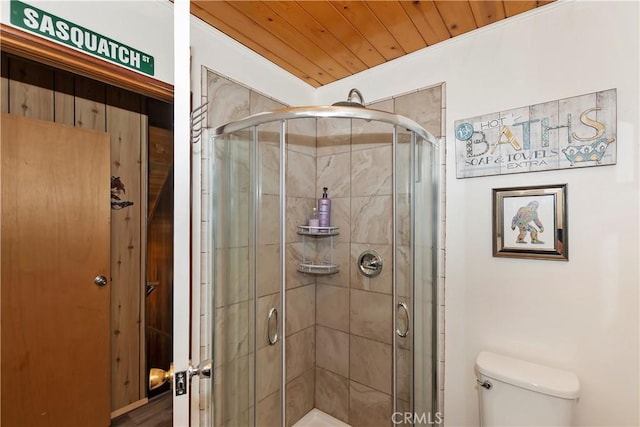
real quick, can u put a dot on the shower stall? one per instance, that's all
(333, 321)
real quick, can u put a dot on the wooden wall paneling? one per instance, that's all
(427, 20)
(30, 89)
(160, 163)
(124, 125)
(4, 83)
(90, 104)
(159, 319)
(63, 98)
(393, 16)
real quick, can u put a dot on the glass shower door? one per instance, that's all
(246, 327)
(415, 244)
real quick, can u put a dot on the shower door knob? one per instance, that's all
(203, 370)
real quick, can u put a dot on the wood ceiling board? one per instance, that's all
(321, 41)
(334, 22)
(427, 19)
(288, 34)
(512, 8)
(457, 16)
(318, 34)
(487, 12)
(367, 24)
(394, 17)
(234, 24)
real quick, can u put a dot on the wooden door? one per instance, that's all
(55, 213)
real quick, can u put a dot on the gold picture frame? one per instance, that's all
(531, 222)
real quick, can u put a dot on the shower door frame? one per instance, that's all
(282, 116)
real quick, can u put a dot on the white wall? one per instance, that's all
(580, 315)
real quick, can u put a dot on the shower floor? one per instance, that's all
(317, 418)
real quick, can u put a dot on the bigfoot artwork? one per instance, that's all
(523, 218)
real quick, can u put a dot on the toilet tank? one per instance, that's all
(514, 392)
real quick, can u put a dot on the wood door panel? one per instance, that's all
(54, 182)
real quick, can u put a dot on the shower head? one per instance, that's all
(349, 102)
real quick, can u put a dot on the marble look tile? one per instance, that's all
(423, 107)
(384, 105)
(265, 304)
(332, 307)
(370, 315)
(370, 363)
(403, 374)
(371, 219)
(300, 352)
(403, 216)
(232, 276)
(233, 162)
(234, 388)
(368, 407)
(298, 212)
(260, 103)
(370, 134)
(334, 136)
(268, 269)
(301, 174)
(268, 411)
(404, 271)
(381, 283)
(268, 221)
(269, 169)
(235, 96)
(340, 256)
(299, 397)
(300, 303)
(268, 368)
(332, 350)
(332, 394)
(233, 220)
(234, 332)
(371, 171)
(301, 136)
(295, 253)
(333, 173)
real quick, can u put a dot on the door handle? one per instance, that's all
(158, 377)
(403, 334)
(100, 281)
(272, 338)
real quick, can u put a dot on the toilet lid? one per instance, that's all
(528, 375)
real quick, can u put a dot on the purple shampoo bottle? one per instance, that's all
(324, 209)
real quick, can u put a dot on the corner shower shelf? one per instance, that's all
(307, 230)
(319, 268)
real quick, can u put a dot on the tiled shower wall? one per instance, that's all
(339, 326)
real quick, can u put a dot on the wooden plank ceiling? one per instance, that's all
(324, 41)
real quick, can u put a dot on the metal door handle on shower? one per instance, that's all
(272, 338)
(403, 334)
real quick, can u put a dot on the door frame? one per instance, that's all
(38, 49)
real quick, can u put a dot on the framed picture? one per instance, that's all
(531, 222)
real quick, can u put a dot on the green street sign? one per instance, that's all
(60, 30)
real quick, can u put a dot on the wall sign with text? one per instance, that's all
(567, 133)
(60, 30)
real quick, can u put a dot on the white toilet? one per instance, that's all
(514, 392)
